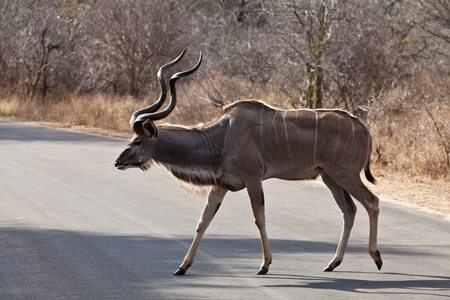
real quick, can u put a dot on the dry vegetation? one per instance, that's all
(92, 63)
(409, 157)
(413, 129)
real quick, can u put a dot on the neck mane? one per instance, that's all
(192, 154)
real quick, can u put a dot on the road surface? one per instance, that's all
(73, 227)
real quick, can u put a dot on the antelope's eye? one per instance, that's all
(137, 142)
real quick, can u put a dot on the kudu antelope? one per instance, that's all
(252, 142)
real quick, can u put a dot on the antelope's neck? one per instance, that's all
(198, 150)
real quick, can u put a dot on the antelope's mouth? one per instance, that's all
(120, 166)
(144, 167)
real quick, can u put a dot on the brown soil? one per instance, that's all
(424, 192)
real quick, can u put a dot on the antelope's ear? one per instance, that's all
(150, 129)
(138, 128)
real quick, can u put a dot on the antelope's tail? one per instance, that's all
(367, 166)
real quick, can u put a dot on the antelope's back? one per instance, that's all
(272, 142)
(294, 144)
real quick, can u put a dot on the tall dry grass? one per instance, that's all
(410, 124)
(88, 110)
(411, 128)
(97, 110)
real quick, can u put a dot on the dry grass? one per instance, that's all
(410, 127)
(93, 111)
(98, 110)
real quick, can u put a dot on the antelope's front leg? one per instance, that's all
(256, 194)
(212, 205)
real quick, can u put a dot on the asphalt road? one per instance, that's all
(73, 227)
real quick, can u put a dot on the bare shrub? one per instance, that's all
(127, 40)
(412, 130)
(35, 37)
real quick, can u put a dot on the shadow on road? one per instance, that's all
(56, 264)
(425, 285)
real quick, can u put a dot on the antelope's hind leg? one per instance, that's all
(212, 205)
(370, 202)
(356, 188)
(348, 209)
(256, 194)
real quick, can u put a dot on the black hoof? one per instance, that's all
(328, 269)
(262, 271)
(180, 271)
(379, 264)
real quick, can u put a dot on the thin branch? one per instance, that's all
(439, 132)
